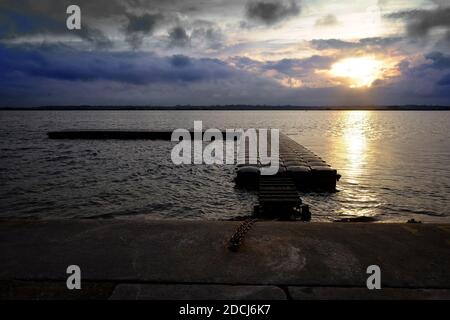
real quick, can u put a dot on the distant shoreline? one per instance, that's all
(230, 108)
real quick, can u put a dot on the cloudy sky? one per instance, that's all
(217, 52)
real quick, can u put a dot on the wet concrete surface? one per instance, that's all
(190, 259)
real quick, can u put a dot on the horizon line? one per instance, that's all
(232, 107)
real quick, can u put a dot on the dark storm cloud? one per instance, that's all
(142, 26)
(424, 80)
(145, 23)
(299, 67)
(95, 36)
(14, 24)
(132, 68)
(439, 60)
(28, 17)
(270, 12)
(178, 37)
(328, 20)
(134, 19)
(180, 61)
(372, 43)
(207, 34)
(419, 23)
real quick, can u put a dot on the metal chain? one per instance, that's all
(238, 236)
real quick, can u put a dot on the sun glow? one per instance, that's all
(358, 72)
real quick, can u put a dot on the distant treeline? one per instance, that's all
(232, 107)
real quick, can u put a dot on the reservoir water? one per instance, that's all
(395, 165)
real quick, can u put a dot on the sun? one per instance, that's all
(359, 72)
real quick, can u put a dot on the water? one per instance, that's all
(394, 165)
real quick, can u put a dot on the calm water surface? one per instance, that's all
(394, 165)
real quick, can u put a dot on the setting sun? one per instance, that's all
(360, 72)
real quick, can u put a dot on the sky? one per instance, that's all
(223, 52)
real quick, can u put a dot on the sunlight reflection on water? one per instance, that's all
(355, 143)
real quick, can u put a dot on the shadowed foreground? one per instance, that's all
(190, 260)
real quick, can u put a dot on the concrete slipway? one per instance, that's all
(189, 259)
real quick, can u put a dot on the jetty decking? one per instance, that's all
(308, 170)
(304, 167)
(113, 135)
(300, 170)
(278, 195)
(110, 134)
